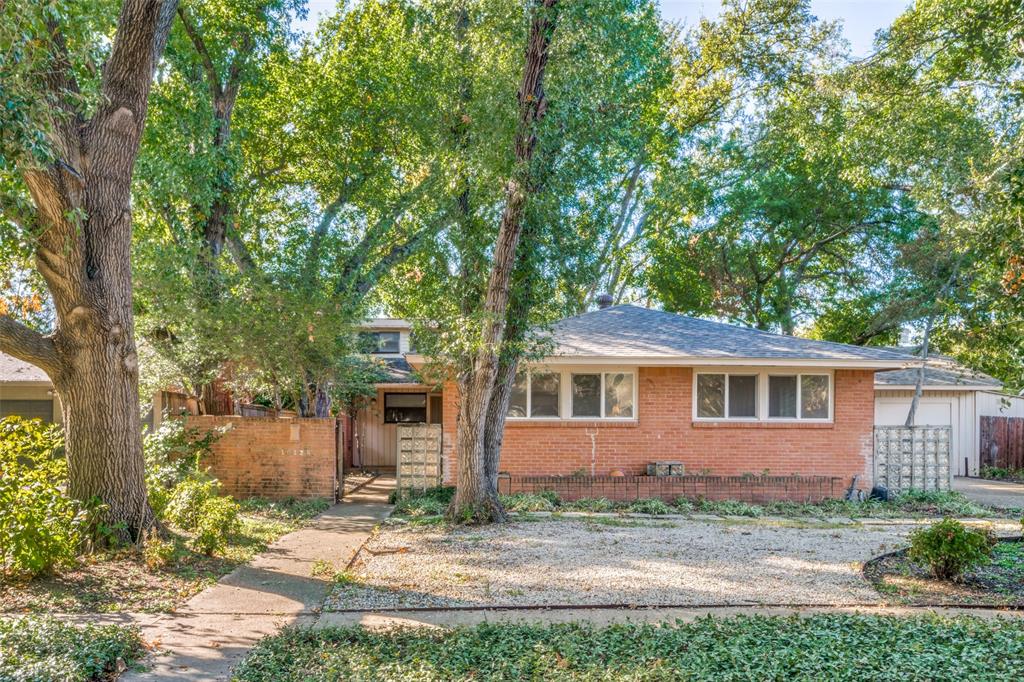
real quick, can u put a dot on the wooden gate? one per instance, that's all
(912, 457)
(1002, 442)
(419, 457)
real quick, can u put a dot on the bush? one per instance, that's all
(939, 503)
(652, 506)
(950, 548)
(43, 648)
(545, 500)
(729, 508)
(683, 505)
(592, 504)
(218, 519)
(185, 502)
(40, 527)
(432, 502)
(174, 453)
(288, 509)
(156, 551)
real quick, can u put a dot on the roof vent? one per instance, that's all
(605, 301)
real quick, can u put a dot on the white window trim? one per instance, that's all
(565, 392)
(761, 408)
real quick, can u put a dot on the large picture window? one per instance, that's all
(722, 395)
(559, 394)
(405, 408)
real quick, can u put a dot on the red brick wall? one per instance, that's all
(665, 430)
(274, 458)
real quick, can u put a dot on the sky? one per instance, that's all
(860, 18)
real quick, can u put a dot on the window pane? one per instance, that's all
(814, 396)
(517, 402)
(618, 395)
(782, 397)
(405, 408)
(742, 396)
(387, 342)
(711, 395)
(544, 395)
(405, 399)
(586, 395)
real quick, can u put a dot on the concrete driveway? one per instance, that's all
(991, 493)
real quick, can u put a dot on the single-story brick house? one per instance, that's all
(625, 386)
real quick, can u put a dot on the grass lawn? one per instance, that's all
(40, 648)
(832, 647)
(120, 581)
(997, 583)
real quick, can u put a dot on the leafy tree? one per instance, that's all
(76, 82)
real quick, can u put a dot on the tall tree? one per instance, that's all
(73, 148)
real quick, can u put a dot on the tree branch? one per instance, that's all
(29, 345)
(212, 77)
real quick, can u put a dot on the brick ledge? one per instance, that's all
(762, 425)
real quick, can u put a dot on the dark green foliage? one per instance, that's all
(950, 548)
(431, 502)
(43, 648)
(833, 647)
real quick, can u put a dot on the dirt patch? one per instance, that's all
(617, 561)
(999, 583)
(119, 581)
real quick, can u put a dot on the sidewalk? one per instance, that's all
(206, 637)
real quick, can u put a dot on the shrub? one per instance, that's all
(729, 508)
(592, 504)
(40, 527)
(545, 500)
(44, 648)
(156, 551)
(185, 502)
(174, 453)
(940, 502)
(950, 548)
(430, 502)
(288, 509)
(652, 506)
(683, 505)
(218, 520)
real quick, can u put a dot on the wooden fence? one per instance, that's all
(419, 457)
(912, 457)
(1002, 442)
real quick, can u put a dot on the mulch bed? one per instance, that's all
(999, 583)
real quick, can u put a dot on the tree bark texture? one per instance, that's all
(84, 254)
(475, 498)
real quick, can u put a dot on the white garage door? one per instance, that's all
(930, 411)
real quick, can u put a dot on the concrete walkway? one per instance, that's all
(991, 493)
(213, 630)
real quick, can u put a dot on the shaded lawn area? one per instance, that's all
(833, 647)
(997, 583)
(41, 648)
(119, 580)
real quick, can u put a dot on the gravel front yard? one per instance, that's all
(643, 563)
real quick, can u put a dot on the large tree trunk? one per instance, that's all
(475, 499)
(83, 252)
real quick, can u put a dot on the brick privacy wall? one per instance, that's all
(665, 430)
(273, 458)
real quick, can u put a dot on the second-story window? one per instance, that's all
(380, 342)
